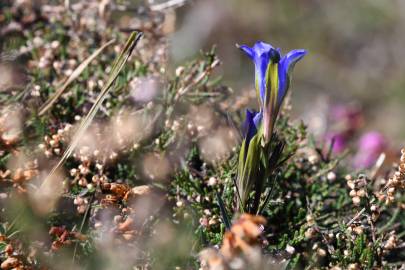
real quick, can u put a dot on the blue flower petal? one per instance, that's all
(261, 48)
(285, 68)
(262, 54)
(257, 119)
(249, 127)
(246, 49)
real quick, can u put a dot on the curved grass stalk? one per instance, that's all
(75, 74)
(116, 68)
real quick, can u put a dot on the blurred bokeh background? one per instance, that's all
(356, 54)
(348, 90)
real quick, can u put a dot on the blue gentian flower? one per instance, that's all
(249, 155)
(272, 79)
(251, 124)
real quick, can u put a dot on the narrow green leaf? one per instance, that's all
(250, 170)
(224, 214)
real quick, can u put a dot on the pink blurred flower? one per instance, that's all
(348, 118)
(339, 141)
(370, 146)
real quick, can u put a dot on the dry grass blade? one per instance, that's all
(116, 68)
(75, 74)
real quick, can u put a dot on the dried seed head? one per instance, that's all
(212, 181)
(321, 252)
(313, 159)
(361, 193)
(391, 242)
(179, 204)
(309, 233)
(351, 184)
(331, 176)
(81, 209)
(381, 197)
(353, 266)
(73, 172)
(204, 222)
(356, 200)
(374, 208)
(48, 153)
(212, 222)
(290, 249)
(358, 230)
(391, 191)
(389, 199)
(179, 71)
(315, 246)
(78, 201)
(310, 219)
